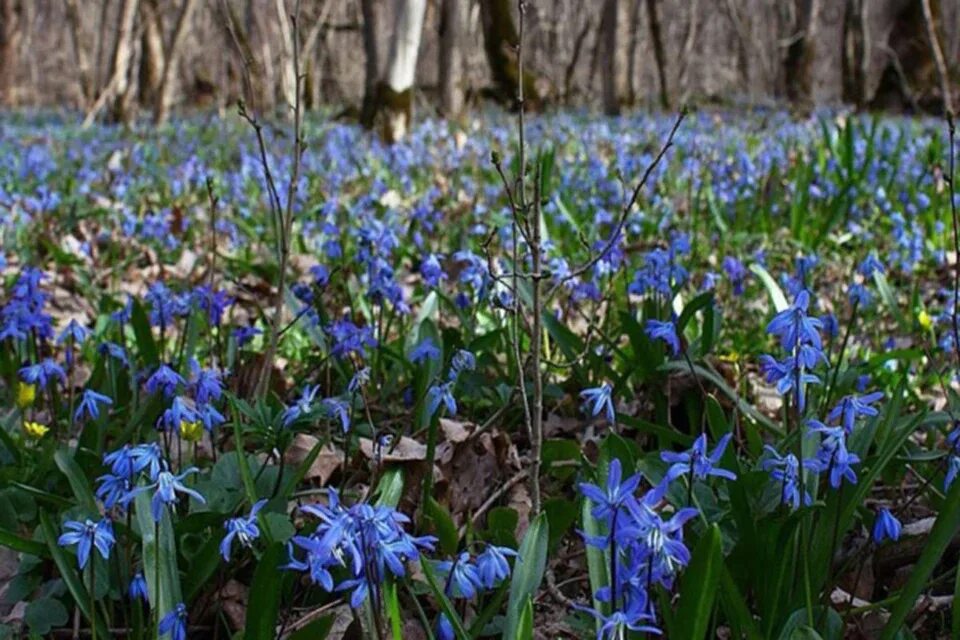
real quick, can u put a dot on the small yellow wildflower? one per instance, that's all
(35, 430)
(733, 357)
(191, 431)
(926, 322)
(26, 394)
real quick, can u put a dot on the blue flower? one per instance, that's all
(115, 351)
(243, 335)
(613, 498)
(339, 409)
(165, 379)
(795, 327)
(75, 332)
(90, 403)
(492, 566)
(441, 394)
(138, 588)
(852, 407)
(464, 578)
(665, 331)
(243, 529)
(206, 383)
(88, 535)
(301, 407)
(166, 488)
(42, 373)
(115, 490)
(886, 526)
(149, 457)
(426, 350)
(617, 624)
(600, 399)
(445, 628)
(462, 361)
(174, 623)
(697, 461)
(786, 471)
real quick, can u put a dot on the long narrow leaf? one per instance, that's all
(527, 572)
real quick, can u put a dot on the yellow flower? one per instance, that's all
(926, 322)
(34, 430)
(26, 394)
(732, 357)
(191, 431)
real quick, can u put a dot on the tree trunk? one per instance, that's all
(611, 66)
(166, 93)
(453, 15)
(395, 95)
(658, 55)
(152, 56)
(11, 19)
(500, 40)
(371, 50)
(824, 47)
(80, 52)
(288, 81)
(119, 85)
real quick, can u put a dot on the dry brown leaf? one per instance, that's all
(407, 450)
(456, 431)
(326, 462)
(233, 599)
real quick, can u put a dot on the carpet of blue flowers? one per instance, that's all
(748, 381)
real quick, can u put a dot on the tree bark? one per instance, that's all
(658, 55)
(288, 83)
(500, 40)
(824, 48)
(11, 32)
(610, 24)
(453, 15)
(84, 76)
(152, 56)
(165, 94)
(118, 87)
(371, 50)
(395, 95)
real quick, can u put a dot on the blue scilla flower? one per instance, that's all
(138, 588)
(243, 335)
(953, 469)
(464, 578)
(832, 455)
(462, 360)
(209, 416)
(794, 327)
(445, 628)
(243, 529)
(348, 338)
(89, 405)
(427, 349)
(785, 470)
(886, 527)
(74, 332)
(180, 411)
(786, 375)
(163, 305)
(338, 409)
(736, 272)
(301, 407)
(115, 490)
(166, 489)
(859, 295)
(618, 624)
(431, 270)
(697, 461)
(205, 383)
(600, 399)
(441, 394)
(114, 351)
(148, 457)
(492, 565)
(42, 373)
(359, 380)
(174, 623)
(852, 407)
(122, 461)
(870, 265)
(611, 499)
(665, 331)
(88, 535)
(165, 380)
(213, 303)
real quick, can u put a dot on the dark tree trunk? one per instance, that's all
(452, 23)
(659, 57)
(11, 18)
(371, 26)
(500, 40)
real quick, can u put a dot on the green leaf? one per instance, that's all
(44, 614)
(889, 299)
(393, 609)
(700, 302)
(445, 605)
(146, 345)
(804, 633)
(78, 482)
(18, 543)
(390, 488)
(66, 566)
(597, 566)
(776, 293)
(527, 572)
(944, 529)
(698, 587)
(444, 527)
(265, 591)
(159, 555)
(526, 621)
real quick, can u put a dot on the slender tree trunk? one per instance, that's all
(500, 40)
(453, 15)
(171, 60)
(152, 52)
(288, 83)
(632, 51)
(610, 23)
(658, 55)
(11, 33)
(371, 50)
(825, 51)
(119, 86)
(84, 76)
(396, 92)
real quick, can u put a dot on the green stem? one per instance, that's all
(93, 597)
